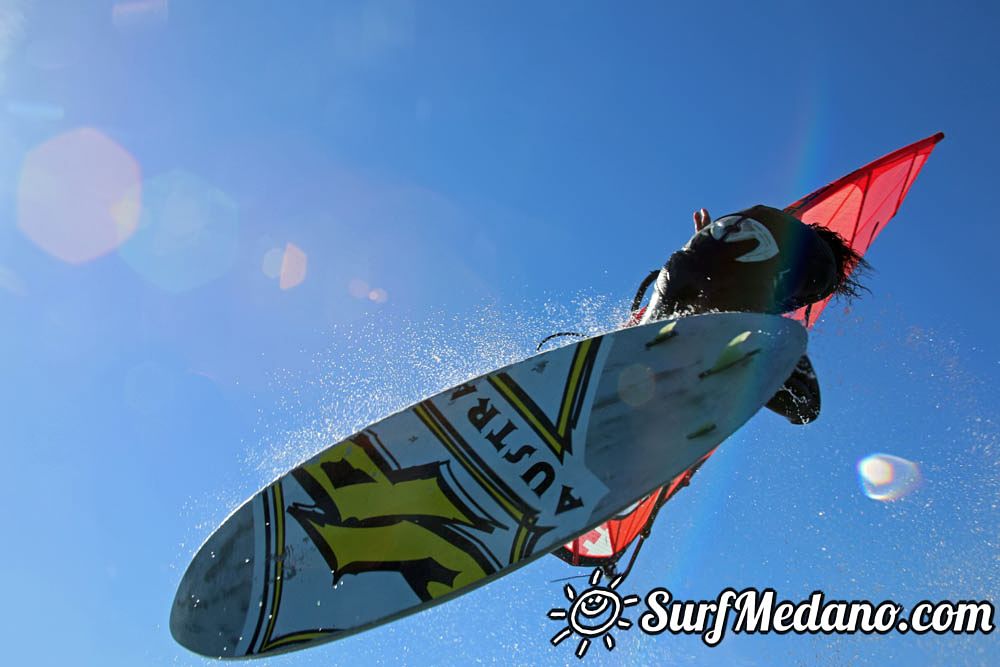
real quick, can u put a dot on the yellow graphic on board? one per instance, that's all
(371, 515)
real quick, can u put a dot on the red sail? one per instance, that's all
(609, 540)
(858, 207)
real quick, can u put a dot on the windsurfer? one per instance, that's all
(767, 260)
(758, 260)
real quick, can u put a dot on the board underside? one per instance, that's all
(469, 484)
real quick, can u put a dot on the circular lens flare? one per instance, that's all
(271, 266)
(358, 288)
(79, 196)
(886, 477)
(636, 385)
(134, 14)
(187, 235)
(293, 267)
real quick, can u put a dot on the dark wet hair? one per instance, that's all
(851, 266)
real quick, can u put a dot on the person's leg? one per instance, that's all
(798, 400)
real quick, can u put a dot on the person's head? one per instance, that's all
(816, 262)
(765, 260)
(851, 266)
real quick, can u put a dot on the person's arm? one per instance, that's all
(652, 312)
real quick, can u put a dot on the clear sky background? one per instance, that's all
(232, 231)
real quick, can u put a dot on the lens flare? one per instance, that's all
(636, 385)
(187, 235)
(10, 282)
(293, 267)
(79, 196)
(271, 266)
(886, 477)
(139, 13)
(35, 111)
(358, 288)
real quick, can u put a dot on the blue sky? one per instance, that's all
(322, 211)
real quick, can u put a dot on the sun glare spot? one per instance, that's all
(187, 235)
(271, 266)
(293, 267)
(10, 282)
(79, 196)
(35, 111)
(139, 13)
(886, 477)
(636, 385)
(358, 288)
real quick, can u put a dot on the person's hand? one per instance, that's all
(701, 219)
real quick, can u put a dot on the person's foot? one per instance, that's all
(798, 399)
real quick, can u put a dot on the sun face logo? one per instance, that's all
(593, 613)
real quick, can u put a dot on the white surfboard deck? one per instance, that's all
(466, 486)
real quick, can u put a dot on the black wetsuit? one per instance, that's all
(759, 260)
